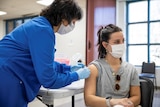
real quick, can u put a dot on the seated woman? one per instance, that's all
(112, 81)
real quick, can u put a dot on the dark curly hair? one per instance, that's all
(62, 9)
(104, 35)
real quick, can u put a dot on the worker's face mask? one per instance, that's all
(117, 50)
(65, 29)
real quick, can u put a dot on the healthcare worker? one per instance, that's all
(27, 55)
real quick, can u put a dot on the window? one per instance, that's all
(143, 34)
(13, 23)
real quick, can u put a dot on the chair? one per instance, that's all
(148, 71)
(147, 92)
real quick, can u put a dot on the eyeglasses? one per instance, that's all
(117, 86)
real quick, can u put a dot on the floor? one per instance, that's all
(79, 102)
(156, 99)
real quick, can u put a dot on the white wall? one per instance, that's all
(121, 14)
(121, 17)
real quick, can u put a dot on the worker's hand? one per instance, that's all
(77, 66)
(83, 73)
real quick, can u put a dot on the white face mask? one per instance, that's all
(117, 50)
(65, 29)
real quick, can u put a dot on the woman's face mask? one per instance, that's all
(65, 29)
(117, 50)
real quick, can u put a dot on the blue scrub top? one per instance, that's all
(28, 53)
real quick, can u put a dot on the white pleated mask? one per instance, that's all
(117, 50)
(65, 29)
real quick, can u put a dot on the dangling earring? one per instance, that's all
(106, 50)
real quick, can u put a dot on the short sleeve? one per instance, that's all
(135, 78)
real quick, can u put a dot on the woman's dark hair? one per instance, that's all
(62, 9)
(104, 35)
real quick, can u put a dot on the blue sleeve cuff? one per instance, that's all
(67, 67)
(75, 76)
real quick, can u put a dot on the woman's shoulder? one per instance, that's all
(129, 67)
(98, 62)
(98, 66)
(127, 64)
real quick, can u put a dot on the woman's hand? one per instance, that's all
(124, 102)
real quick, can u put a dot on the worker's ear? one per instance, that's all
(64, 22)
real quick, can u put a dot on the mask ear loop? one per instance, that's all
(106, 47)
(107, 51)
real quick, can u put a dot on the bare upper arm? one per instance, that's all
(90, 83)
(90, 97)
(135, 91)
(135, 94)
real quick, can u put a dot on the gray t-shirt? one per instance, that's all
(106, 80)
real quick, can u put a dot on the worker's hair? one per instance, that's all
(104, 34)
(62, 9)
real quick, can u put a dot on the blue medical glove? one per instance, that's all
(83, 73)
(77, 67)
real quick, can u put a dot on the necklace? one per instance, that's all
(113, 73)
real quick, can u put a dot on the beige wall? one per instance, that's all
(2, 29)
